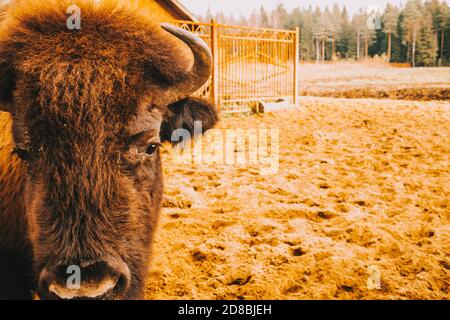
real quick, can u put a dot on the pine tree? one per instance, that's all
(264, 21)
(345, 38)
(326, 30)
(307, 40)
(317, 32)
(433, 7)
(443, 26)
(293, 19)
(400, 48)
(390, 19)
(426, 44)
(253, 20)
(243, 21)
(279, 16)
(208, 15)
(359, 24)
(336, 28)
(368, 32)
(411, 25)
(220, 18)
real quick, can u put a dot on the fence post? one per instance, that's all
(296, 66)
(215, 72)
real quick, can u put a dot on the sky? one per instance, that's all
(245, 7)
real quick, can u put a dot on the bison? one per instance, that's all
(82, 116)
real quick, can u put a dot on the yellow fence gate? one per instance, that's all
(251, 65)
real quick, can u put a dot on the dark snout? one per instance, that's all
(98, 280)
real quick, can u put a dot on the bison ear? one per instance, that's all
(7, 84)
(183, 115)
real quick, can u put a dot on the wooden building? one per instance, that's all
(167, 10)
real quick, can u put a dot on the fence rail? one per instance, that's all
(251, 65)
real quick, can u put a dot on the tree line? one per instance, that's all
(417, 32)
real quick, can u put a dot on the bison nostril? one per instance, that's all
(100, 280)
(93, 290)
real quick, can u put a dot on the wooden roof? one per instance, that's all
(179, 10)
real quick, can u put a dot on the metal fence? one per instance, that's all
(251, 65)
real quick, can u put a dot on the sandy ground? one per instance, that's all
(358, 210)
(374, 80)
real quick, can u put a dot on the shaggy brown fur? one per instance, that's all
(85, 104)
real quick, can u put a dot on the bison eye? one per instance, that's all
(23, 154)
(151, 149)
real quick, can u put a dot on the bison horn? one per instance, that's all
(201, 70)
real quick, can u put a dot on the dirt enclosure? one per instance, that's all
(358, 210)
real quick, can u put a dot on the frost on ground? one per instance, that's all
(374, 80)
(359, 210)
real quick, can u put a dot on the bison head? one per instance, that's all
(88, 106)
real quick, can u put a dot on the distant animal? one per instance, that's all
(82, 115)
